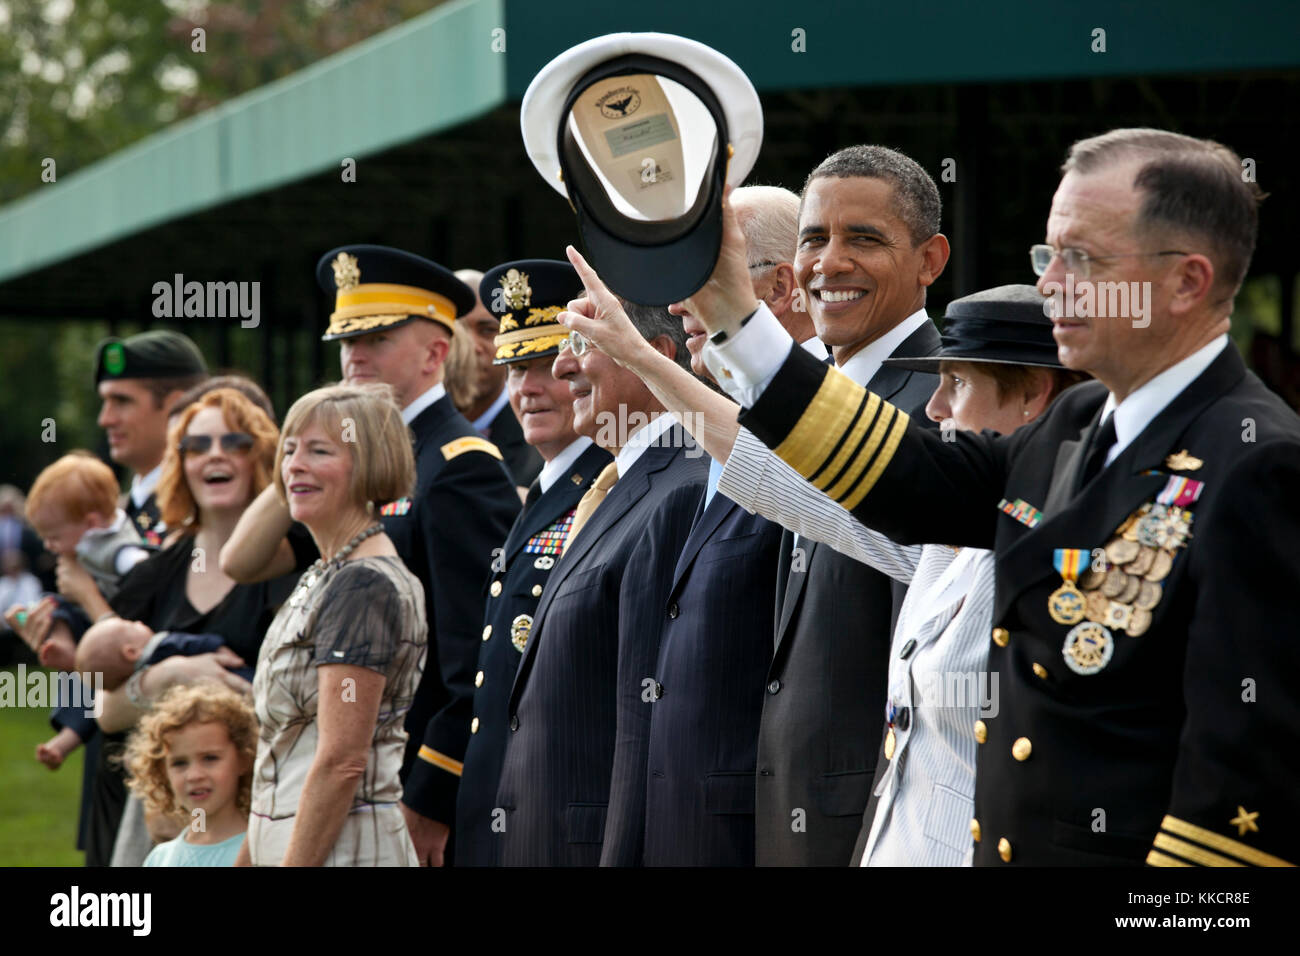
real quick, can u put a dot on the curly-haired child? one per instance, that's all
(191, 759)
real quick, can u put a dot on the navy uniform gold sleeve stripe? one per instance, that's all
(1207, 848)
(844, 439)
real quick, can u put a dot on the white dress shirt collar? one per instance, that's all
(814, 347)
(636, 445)
(1141, 407)
(865, 363)
(424, 401)
(557, 466)
(484, 421)
(142, 486)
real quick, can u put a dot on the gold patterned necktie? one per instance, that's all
(591, 501)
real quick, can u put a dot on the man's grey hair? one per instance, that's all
(1189, 186)
(916, 197)
(653, 321)
(769, 218)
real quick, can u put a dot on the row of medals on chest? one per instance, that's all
(1121, 592)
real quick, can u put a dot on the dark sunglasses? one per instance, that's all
(232, 443)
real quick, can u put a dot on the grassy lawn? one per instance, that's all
(38, 808)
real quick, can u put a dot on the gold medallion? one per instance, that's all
(1160, 567)
(1148, 596)
(1142, 563)
(1088, 648)
(1115, 582)
(1091, 579)
(1117, 616)
(1066, 605)
(514, 285)
(1132, 586)
(889, 744)
(1121, 551)
(1138, 622)
(1098, 604)
(519, 629)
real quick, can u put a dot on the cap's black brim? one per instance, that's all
(655, 275)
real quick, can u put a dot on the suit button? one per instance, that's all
(764, 772)
(478, 679)
(495, 590)
(1001, 636)
(514, 721)
(903, 718)
(658, 691)
(974, 829)
(774, 687)
(673, 611)
(473, 726)
(537, 590)
(1040, 670)
(981, 732)
(1004, 850)
(906, 652)
(487, 631)
(1022, 748)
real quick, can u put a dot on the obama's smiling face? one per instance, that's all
(856, 263)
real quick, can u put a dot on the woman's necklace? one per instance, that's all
(317, 570)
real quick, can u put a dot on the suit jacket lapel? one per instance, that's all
(794, 586)
(719, 508)
(889, 380)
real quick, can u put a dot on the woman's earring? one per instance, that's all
(370, 505)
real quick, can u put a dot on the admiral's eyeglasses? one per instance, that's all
(1078, 262)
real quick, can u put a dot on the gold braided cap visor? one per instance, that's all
(374, 305)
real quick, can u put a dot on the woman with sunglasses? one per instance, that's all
(220, 455)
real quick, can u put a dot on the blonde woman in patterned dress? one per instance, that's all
(340, 664)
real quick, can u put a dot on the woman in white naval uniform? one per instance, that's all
(998, 370)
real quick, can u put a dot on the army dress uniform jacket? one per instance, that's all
(1174, 745)
(519, 576)
(683, 783)
(612, 581)
(463, 506)
(824, 706)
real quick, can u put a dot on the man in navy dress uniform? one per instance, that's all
(526, 296)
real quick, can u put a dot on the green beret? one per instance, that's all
(154, 354)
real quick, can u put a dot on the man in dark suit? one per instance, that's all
(1143, 638)
(869, 246)
(608, 590)
(683, 782)
(393, 315)
(489, 410)
(536, 290)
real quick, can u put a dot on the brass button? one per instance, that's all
(478, 679)
(1040, 670)
(975, 829)
(1001, 636)
(1004, 850)
(487, 631)
(889, 744)
(537, 590)
(473, 726)
(495, 590)
(981, 732)
(1022, 748)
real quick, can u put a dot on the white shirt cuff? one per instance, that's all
(746, 362)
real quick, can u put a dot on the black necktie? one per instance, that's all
(1102, 440)
(534, 492)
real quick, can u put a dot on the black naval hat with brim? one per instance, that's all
(378, 287)
(158, 353)
(641, 132)
(1002, 326)
(526, 296)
